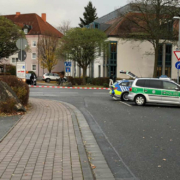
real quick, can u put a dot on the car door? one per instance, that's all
(153, 89)
(170, 92)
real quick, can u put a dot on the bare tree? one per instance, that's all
(64, 27)
(47, 46)
(151, 20)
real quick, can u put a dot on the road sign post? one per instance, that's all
(67, 65)
(21, 44)
(177, 65)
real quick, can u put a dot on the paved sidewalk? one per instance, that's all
(42, 146)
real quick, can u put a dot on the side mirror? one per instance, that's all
(177, 89)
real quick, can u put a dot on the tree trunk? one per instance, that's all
(156, 49)
(84, 75)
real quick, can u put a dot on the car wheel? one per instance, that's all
(124, 96)
(47, 80)
(140, 100)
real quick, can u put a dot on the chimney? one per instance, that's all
(43, 15)
(18, 13)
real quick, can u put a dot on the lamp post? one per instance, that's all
(177, 17)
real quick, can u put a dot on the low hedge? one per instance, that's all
(94, 81)
(19, 87)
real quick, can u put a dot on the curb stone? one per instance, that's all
(10, 129)
(99, 166)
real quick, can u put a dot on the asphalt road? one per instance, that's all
(137, 142)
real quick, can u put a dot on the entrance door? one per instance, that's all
(112, 69)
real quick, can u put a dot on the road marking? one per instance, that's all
(125, 103)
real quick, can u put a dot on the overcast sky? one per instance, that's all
(59, 10)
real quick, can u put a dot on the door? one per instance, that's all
(153, 89)
(169, 93)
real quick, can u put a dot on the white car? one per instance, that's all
(50, 77)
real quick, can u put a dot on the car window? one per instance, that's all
(153, 84)
(50, 74)
(169, 85)
(124, 84)
(140, 82)
(130, 83)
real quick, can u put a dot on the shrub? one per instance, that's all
(11, 70)
(7, 106)
(70, 79)
(106, 85)
(19, 87)
(78, 81)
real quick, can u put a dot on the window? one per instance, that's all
(169, 85)
(140, 82)
(34, 44)
(99, 70)
(34, 67)
(33, 55)
(124, 84)
(25, 31)
(14, 60)
(153, 84)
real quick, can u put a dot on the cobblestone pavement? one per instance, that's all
(42, 146)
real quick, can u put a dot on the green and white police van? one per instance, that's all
(154, 90)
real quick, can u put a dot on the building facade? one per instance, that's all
(34, 27)
(128, 54)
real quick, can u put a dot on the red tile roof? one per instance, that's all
(39, 26)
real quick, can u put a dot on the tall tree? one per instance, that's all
(82, 46)
(64, 27)
(9, 33)
(89, 15)
(47, 46)
(151, 20)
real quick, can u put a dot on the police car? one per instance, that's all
(154, 90)
(120, 89)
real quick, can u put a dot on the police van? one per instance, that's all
(154, 90)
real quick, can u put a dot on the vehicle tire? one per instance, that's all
(48, 80)
(140, 100)
(124, 96)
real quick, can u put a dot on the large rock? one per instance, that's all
(6, 93)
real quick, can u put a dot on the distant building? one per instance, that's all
(128, 55)
(33, 26)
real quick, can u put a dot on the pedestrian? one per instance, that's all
(32, 79)
(111, 79)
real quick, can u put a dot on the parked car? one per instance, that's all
(47, 77)
(28, 80)
(120, 89)
(154, 90)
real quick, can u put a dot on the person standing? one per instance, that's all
(111, 79)
(32, 79)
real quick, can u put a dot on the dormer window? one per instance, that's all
(25, 31)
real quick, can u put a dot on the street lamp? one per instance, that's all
(177, 17)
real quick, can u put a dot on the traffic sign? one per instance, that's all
(67, 64)
(20, 70)
(21, 43)
(177, 54)
(68, 69)
(23, 56)
(177, 65)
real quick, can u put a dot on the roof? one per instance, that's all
(39, 26)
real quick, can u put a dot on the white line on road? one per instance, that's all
(125, 103)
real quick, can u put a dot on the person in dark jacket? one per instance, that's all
(32, 79)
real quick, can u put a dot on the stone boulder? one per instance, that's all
(6, 92)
